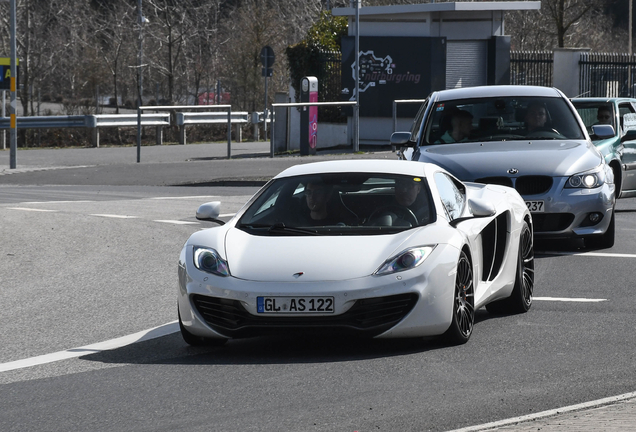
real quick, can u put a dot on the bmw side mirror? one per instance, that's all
(402, 139)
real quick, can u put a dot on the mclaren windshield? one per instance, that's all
(340, 204)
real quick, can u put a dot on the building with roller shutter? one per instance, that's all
(408, 51)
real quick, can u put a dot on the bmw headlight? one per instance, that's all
(405, 260)
(209, 261)
(587, 180)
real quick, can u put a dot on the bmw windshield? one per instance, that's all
(501, 119)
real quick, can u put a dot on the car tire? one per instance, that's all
(604, 241)
(520, 299)
(194, 340)
(463, 320)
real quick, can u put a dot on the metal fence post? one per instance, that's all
(229, 133)
(272, 133)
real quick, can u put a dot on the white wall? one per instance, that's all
(565, 70)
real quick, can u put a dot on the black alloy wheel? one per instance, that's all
(520, 299)
(524, 284)
(461, 327)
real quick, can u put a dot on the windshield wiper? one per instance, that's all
(279, 227)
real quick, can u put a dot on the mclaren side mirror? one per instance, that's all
(478, 208)
(210, 212)
(481, 208)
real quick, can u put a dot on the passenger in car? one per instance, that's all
(409, 194)
(461, 125)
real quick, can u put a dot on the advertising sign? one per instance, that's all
(393, 68)
(308, 116)
(5, 73)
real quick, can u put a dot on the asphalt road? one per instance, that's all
(89, 246)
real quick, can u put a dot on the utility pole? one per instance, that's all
(630, 92)
(356, 107)
(13, 136)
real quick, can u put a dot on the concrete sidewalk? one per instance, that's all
(613, 414)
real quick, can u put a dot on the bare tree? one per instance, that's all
(113, 34)
(253, 26)
(561, 23)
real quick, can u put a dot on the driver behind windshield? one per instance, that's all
(461, 125)
(323, 206)
(536, 117)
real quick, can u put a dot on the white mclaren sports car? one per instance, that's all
(374, 248)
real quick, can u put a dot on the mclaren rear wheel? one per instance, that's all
(520, 299)
(461, 327)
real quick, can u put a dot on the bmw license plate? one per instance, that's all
(301, 305)
(535, 206)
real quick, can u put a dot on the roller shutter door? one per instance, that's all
(466, 64)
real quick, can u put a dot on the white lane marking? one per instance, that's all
(567, 299)
(163, 330)
(184, 197)
(540, 415)
(177, 222)
(115, 216)
(227, 215)
(55, 202)
(592, 254)
(32, 209)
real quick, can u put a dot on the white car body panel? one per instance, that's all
(343, 267)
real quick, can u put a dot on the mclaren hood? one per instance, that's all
(307, 259)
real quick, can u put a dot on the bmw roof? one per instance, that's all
(497, 91)
(362, 165)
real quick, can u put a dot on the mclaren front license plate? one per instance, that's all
(299, 305)
(535, 206)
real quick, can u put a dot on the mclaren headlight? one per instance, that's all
(209, 261)
(587, 180)
(405, 260)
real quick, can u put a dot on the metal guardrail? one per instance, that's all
(237, 118)
(183, 107)
(46, 122)
(183, 118)
(109, 120)
(160, 120)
